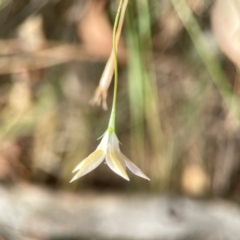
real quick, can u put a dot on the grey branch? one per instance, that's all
(44, 214)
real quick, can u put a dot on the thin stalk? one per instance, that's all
(111, 125)
(136, 79)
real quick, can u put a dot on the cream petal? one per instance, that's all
(89, 164)
(114, 141)
(104, 142)
(79, 165)
(133, 168)
(115, 162)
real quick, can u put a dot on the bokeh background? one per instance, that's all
(178, 119)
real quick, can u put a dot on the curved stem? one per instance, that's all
(111, 124)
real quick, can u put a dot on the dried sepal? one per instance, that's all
(101, 92)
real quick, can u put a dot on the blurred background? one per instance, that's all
(178, 119)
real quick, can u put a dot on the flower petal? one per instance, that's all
(133, 168)
(104, 142)
(89, 164)
(115, 162)
(114, 141)
(79, 165)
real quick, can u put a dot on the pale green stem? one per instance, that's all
(111, 125)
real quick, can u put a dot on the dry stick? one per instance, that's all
(44, 58)
(100, 95)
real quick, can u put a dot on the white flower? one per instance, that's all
(109, 150)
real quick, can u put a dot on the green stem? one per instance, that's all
(111, 125)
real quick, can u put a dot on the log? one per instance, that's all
(31, 212)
